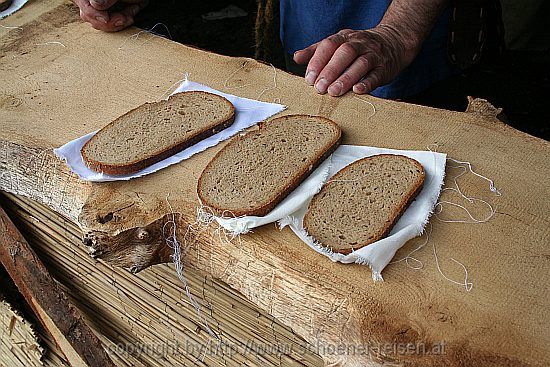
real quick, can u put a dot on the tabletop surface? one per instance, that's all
(62, 79)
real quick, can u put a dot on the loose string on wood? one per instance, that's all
(135, 36)
(169, 233)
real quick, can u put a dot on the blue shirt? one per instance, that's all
(304, 22)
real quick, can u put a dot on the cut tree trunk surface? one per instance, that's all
(62, 79)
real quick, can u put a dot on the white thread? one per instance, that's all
(266, 89)
(167, 92)
(491, 183)
(135, 36)
(421, 246)
(471, 200)
(51, 43)
(173, 243)
(274, 83)
(466, 284)
(370, 104)
(225, 83)
(9, 27)
(206, 216)
(439, 209)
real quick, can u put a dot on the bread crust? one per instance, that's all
(4, 4)
(397, 214)
(138, 165)
(304, 173)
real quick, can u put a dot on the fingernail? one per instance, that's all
(321, 85)
(310, 77)
(99, 2)
(335, 88)
(119, 23)
(359, 88)
(101, 19)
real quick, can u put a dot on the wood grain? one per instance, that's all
(52, 94)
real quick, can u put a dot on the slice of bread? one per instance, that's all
(254, 172)
(362, 202)
(155, 131)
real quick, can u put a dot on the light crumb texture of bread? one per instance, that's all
(361, 203)
(154, 128)
(254, 172)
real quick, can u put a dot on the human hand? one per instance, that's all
(110, 15)
(362, 60)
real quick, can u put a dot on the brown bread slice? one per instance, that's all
(361, 203)
(254, 172)
(155, 131)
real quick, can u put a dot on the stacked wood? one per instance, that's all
(17, 314)
(19, 344)
(147, 318)
(61, 320)
(23, 342)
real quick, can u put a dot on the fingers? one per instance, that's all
(370, 82)
(323, 53)
(102, 4)
(303, 56)
(352, 75)
(351, 60)
(109, 22)
(125, 17)
(343, 57)
(97, 18)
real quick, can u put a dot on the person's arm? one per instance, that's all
(366, 59)
(100, 13)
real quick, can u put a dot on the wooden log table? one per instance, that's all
(61, 79)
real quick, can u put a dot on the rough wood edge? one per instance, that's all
(35, 172)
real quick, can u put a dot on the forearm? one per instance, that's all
(412, 21)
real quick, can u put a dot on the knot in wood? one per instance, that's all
(142, 233)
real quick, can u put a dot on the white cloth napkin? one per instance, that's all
(15, 6)
(291, 211)
(248, 112)
(411, 224)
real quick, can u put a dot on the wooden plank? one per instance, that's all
(50, 304)
(52, 94)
